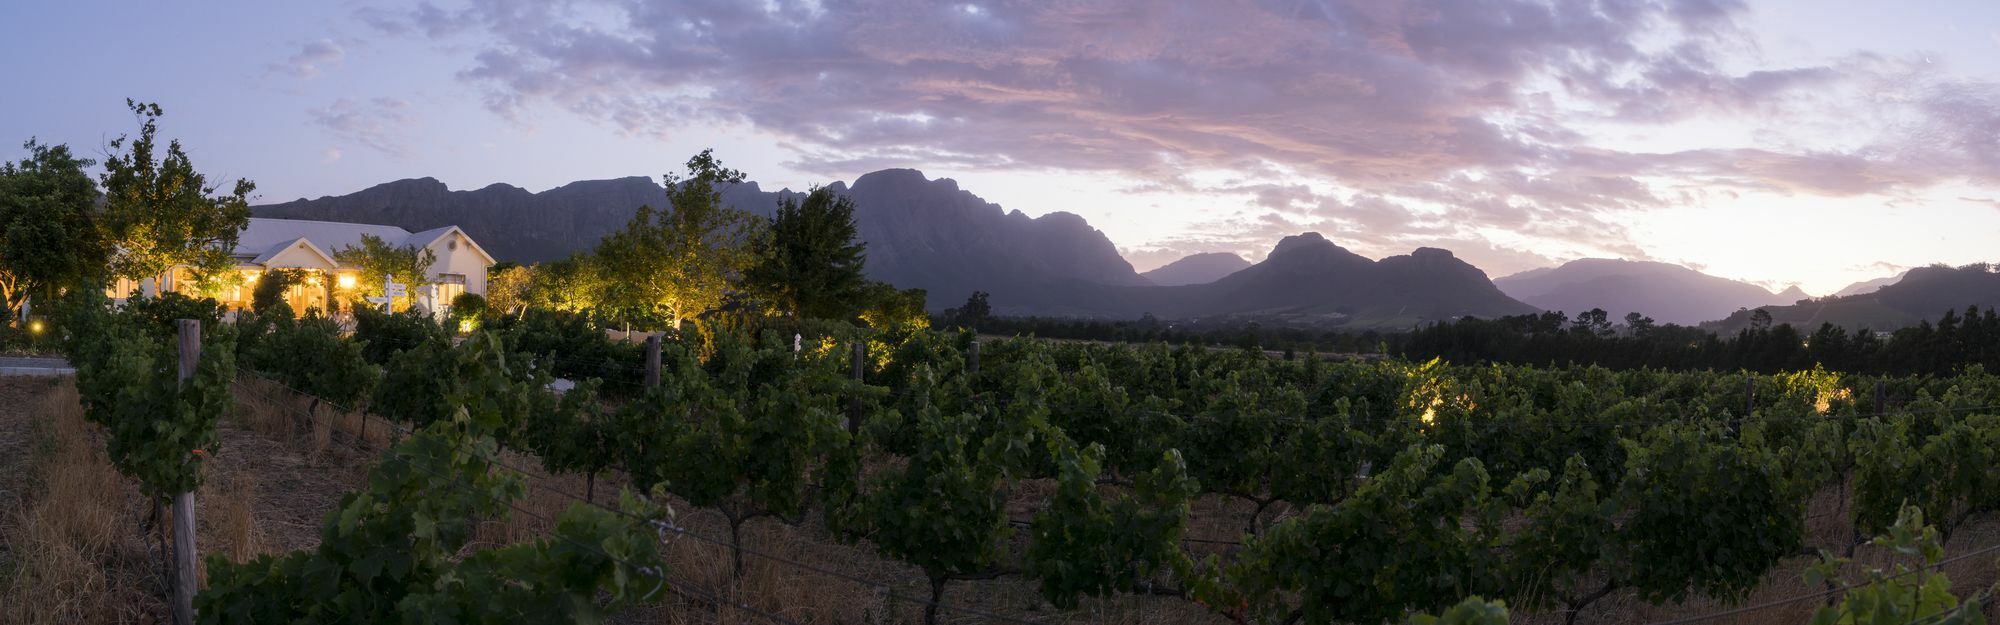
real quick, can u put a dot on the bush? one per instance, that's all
(385, 334)
(156, 316)
(573, 347)
(270, 290)
(468, 306)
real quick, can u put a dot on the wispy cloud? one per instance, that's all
(377, 123)
(311, 58)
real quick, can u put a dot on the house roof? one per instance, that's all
(268, 255)
(265, 237)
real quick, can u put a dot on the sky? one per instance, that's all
(1816, 143)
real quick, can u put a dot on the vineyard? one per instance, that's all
(1229, 485)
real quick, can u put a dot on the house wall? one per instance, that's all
(456, 255)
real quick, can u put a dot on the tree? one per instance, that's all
(810, 264)
(160, 213)
(970, 315)
(507, 288)
(675, 264)
(886, 307)
(49, 235)
(378, 260)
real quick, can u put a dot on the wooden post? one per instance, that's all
(1881, 402)
(854, 403)
(652, 361)
(184, 551)
(972, 358)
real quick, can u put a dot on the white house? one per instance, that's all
(310, 245)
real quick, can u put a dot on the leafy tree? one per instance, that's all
(675, 264)
(507, 288)
(568, 284)
(884, 307)
(49, 232)
(810, 264)
(975, 312)
(269, 293)
(379, 260)
(160, 213)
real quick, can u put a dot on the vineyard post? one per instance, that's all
(652, 361)
(854, 403)
(1881, 406)
(972, 359)
(184, 552)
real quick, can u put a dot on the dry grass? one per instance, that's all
(73, 550)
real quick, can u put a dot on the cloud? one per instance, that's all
(375, 123)
(330, 156)
(1470, 121)
(311, 57)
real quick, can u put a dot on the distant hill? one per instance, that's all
(920, 233)
(1925, 293)
(1869, 286)
(1308, 279)
(1197, 269)
(1666, 292)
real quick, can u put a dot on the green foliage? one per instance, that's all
(160, 213)
(385, 334)
(377, 261)
(673, 265)
(809, 265)
(1084, 543)
(268, 296)
(1909, 592)
(392, 552)
(157, 317)
(888, 309)
(50, 238)
(975, 312)
(309, 355)
(568, 345)
(1709, 515)
(468, 306)
(1472, 611)
(158, 430)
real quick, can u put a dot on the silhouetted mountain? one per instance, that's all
(1197, 269)
(933, 235)
(1666, 292)
(1309, 279)
(1925, 293)
(920, 233)
(1869, 286)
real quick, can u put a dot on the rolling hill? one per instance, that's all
(1666, 292)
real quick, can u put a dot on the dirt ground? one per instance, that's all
(72, 547)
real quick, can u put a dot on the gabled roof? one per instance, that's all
(263, 234)
(265, 258)
(427, 237)
(265, 237)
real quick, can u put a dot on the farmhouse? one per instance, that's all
(310, 245)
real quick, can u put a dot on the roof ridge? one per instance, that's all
(336, 223)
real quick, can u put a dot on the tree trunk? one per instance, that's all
(937, 597)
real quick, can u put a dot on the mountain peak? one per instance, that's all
(897, 176)
(1302, 242)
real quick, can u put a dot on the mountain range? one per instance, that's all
(1200, 268)
(1924, 293)
(931, 234)
(1666, 292)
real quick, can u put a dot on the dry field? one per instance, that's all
(74, 547)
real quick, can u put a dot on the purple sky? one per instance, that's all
(1779, 142)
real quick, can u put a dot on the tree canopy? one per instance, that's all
(49, 231)
(378, 260)
(672, 265)
(810, 264)
(162, 213)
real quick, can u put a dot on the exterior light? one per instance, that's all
(466, 326)
(249, 277)
(312, 280)
(345, 281)
(35, 326)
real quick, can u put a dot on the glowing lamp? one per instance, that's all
(35, 326)
(466, 326)
(345, 281)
